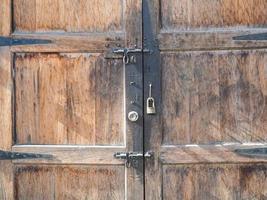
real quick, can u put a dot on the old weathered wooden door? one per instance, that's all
(62, 98)
(209, 78)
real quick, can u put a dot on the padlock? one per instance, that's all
(150, 106)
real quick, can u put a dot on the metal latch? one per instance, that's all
(10, 155)
(131, 157)
(127, 51)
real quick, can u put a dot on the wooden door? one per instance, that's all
(209, 74)
(62, 96)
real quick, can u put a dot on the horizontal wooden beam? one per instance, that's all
(71, 154)
(197, 154)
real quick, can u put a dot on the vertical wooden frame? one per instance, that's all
(134, 98)
(6, 91)
(152, 74)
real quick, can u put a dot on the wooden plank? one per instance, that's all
(134, 93)
(69, 182)
(78, 42)
(201, 14)
(205, 40)
(214, 96)
(68, 99)
(224, 153)
(6, 180)
(68, 16)
(152, 123)
(229, 181)
(75, 154)
(5, 17)
(6, 91)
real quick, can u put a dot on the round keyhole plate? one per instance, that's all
(133, 116)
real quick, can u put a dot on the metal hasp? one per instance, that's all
(253, 152)
(9, 41)
(257, 37)
(131, 157)
(127, 51)
(9, 155)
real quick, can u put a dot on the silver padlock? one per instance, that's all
(150, 103)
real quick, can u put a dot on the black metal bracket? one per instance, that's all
(9, 155)
(9, 41)
(253, 152)
(257, 37)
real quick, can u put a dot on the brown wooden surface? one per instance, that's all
(69, 100)
(210, 92)
(214, 96)
(225, 181)
(197, 14)
(68, 16)
(69, 182)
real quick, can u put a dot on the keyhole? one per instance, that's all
(150, 103)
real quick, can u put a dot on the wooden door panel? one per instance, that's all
(69, 182)
(210, 93)
(224, 181)
(70, 98)
(199, 14)
(68, 16)
(214, 96)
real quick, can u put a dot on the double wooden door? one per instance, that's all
(72, 70)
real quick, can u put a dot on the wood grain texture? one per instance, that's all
(224, 153)
(68, 99)
(68, 42)
(5, 17)
(209, 40)
(197, 14)
(74, 154)
(6, 91)
(133, 73)
(68, 15)
(215, 96)
(218, 182)
(6, 180)
(69, 182)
